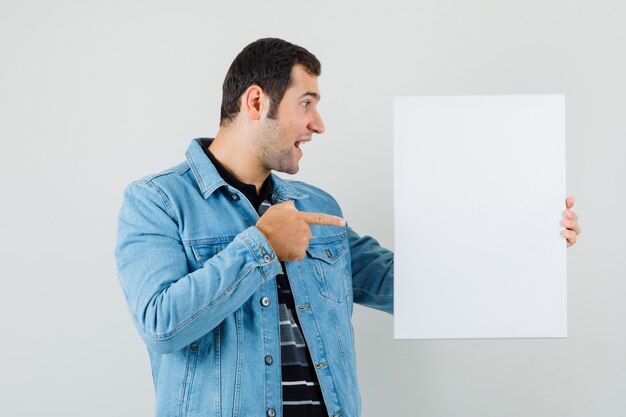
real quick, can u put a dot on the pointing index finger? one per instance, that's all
(322, 219)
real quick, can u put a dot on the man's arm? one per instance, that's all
(170, 306)
(372, 272)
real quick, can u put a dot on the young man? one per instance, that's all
(240, 283)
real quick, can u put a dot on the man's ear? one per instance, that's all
(253, 102)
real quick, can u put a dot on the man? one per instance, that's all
(241, 283)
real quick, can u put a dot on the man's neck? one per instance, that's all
(238, 157)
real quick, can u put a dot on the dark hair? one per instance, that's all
(267, 63)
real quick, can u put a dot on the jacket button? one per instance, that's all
(235, 197)
(267, 258)
(269, 360)
(271, 413)
(265, 301)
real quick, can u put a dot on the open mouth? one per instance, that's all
(299, 143)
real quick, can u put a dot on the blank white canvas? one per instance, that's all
(479, 192)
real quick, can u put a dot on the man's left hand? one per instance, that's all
(570, 222)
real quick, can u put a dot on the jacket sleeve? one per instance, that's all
(170, 306)
(372, 272)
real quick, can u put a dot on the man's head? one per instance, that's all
(270, 101)
(267, 63)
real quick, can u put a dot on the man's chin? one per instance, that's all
(292, 171)
(288, 170)
(286, 163)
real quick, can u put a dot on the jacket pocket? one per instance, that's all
(330, 261)
(190, 370)
(202, 253)
(204, 249)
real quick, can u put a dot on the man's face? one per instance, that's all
(281, 139)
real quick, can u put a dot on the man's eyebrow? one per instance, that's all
(312, 94)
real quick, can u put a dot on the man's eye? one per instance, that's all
(305, 104)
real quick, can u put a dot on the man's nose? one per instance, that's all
(317, 125)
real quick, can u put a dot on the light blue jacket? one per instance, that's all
(198, 277)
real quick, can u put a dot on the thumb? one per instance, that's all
(569, 202)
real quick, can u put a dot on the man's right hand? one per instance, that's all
(287, 229)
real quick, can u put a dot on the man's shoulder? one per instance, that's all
(165, 178)
(317, 198)
(309, 189)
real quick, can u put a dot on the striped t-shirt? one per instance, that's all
(302, 396)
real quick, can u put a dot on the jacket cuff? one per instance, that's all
(263, 253)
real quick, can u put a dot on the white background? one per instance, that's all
(95, 94)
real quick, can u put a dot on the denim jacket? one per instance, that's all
(198, 277)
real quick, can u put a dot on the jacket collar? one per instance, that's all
(210, 180)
